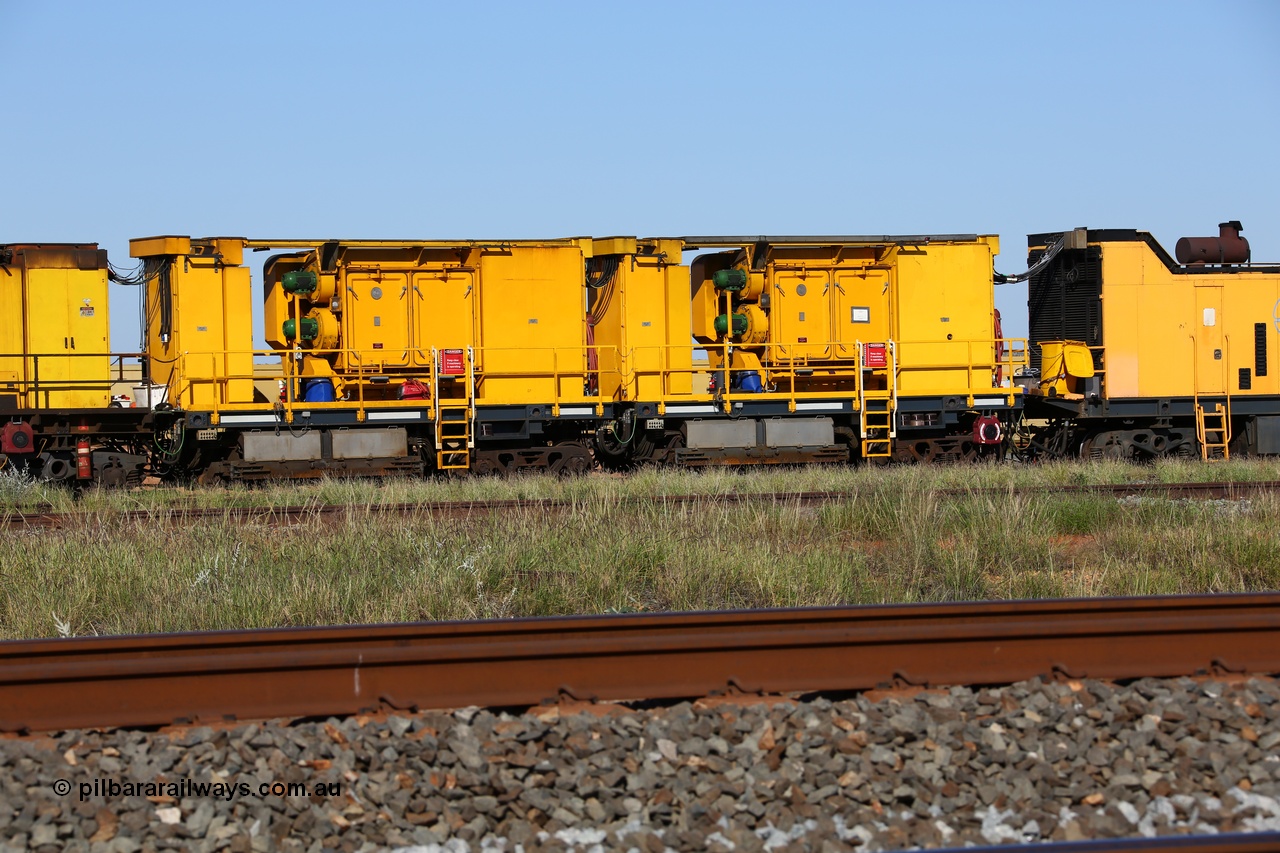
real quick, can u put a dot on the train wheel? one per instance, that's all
(612, 454)
(568, 459)
(922, 452)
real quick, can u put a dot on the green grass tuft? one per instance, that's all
(894, 539)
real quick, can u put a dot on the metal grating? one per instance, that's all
(1260, 349)
(1064, 301)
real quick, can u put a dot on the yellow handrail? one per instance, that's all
(785, 381)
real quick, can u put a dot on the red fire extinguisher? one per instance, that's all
(84, 462)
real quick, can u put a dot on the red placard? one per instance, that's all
(453, 362)
(875, 355)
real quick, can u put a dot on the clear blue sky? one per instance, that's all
(440, 120)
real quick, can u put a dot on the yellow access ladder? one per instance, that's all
(877, 407)
(1213, 430)
(454, 417)
(1216, 424)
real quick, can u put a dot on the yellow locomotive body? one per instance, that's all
(1184, 352)
(806, 301)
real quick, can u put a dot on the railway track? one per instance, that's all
(48, 518)
(1262, 842)
(159, 679)
(546, 775)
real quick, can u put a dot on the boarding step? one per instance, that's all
(453, 435)
(876, 420)
(877, 448)
(1213, 431)
(453, 455)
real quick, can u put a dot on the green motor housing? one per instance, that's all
(739, 324)
(300, 281)
(730, 280)
(310, 329)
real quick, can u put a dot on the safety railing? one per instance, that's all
(670, 362)
(787, 380)
(503, 375)
(980, 372)
(200, 380)
(35, 378)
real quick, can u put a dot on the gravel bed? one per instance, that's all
(1032, 761)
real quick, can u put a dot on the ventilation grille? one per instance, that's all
(1064, 301)
(1260, 349)
(1246, 380)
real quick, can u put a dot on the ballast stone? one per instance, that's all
(1028, 762)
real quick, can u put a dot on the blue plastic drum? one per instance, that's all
(749, 381)
(318, 391)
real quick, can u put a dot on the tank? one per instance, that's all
(1227, 248)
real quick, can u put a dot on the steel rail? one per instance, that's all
(1232, 842)
(164, 678)
(43, 518)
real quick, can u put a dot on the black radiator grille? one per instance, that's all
(1260, 349)
(1246, 381)
(1064, 301)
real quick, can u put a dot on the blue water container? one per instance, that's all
(749, 381)
(318, 391)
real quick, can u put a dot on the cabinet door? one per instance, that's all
(48, 338)
(801, 314)
(443, 312)
(377, 317)
(861, 308)
(67, 337)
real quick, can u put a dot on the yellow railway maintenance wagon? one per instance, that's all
(54, 341)
(500, 355)
(394, 356)
(58, 421)
(1141, 354)
(832, 349)
(493, 356)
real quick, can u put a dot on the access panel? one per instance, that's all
(376, 311)
(801, 315)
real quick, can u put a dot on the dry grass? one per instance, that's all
(17, 494)
(894, 540)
